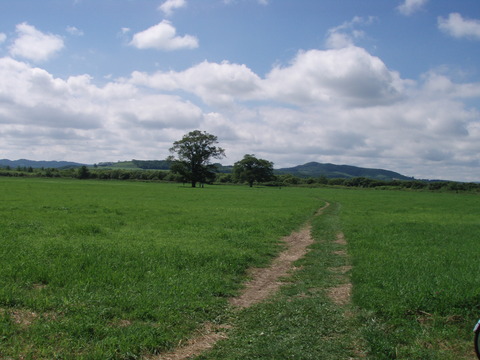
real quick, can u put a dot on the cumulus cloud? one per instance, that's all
(3, 37)
(163, 37)
(169, 6)
(68, 114)
(440, 85)
(158, 112)
(216, 84)
(408, 7)
(32, 96)
(35, 45)
(349, 76)
(455, 25)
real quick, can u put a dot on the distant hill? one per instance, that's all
(332, 171)
(311, 169)
(314, 169)
(38, 164)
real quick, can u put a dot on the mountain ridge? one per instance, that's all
(315, 169)
(310, 169)
(39, 163)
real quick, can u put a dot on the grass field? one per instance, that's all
(416, 292)
(114, 270)
(416, 258)
(100, 270)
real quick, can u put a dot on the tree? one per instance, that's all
(251, 169)
(82, 172)
(194, 152)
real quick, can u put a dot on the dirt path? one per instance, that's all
(264, 283)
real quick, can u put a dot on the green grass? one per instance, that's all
(99, 270)
(415, 258)
(301, 322)
(416, 292)
(115, 269)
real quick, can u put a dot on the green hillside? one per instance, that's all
(314, 169)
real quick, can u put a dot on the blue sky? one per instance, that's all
(391, 84)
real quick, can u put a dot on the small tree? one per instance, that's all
(194, 152)
(251, 169)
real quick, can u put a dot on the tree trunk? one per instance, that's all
(194, 183)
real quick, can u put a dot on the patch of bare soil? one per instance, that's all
(264, 283)
(341, 294)
(341, 239)
(204, 340)
(24, 318)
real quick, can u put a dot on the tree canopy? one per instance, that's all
(194, 152)
(251, 169)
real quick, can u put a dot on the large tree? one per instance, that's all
(251, 169)
(194, 152)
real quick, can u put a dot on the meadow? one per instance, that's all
(413, 260)
(416, 258)
(115, 270)
(99, 270)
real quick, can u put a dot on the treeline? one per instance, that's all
(228, 178)
(85, 172)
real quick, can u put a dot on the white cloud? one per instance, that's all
(216, 84)
(455, 25)
(72, 30)
(70, 115)
(170, 5)
(338, 40)
(159, 112)
(32, 96)
(346, 34)
(34, 45)
(348, 76)
(3, 37)
(411, 6)
(163, 37)
(440, 85)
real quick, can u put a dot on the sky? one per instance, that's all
(390, 84)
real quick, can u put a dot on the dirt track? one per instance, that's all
(264, 283)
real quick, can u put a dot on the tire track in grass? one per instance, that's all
(341, 294)
(264, 283)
